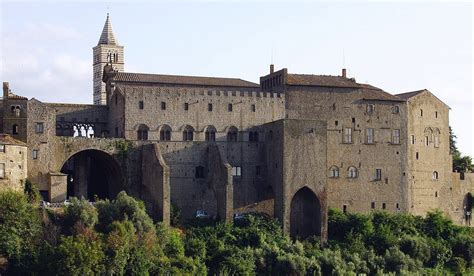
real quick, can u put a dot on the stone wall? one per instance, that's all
(14, 159)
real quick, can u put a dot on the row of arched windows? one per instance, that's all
(351, 172)
(188, 133)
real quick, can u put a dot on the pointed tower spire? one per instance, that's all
(107, 37)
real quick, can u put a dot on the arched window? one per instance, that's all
(436, 134)
(188, 133)
(435, 175)
(165, 133)
(352, 172)
(253, 136)
(334, 172)
(142, 132)
(232, 134)
(15, 129)
(210, 133)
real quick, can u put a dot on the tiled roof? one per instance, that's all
(321, 80)
(107, 37)
(186, 80)
(408, 95)
(378, 95)
(14, 96)
(6, 139)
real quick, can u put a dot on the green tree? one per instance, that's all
(78, 214)
(20, 225)
(80, 255)
(31, 191)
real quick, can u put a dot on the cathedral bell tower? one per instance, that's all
(107, 51)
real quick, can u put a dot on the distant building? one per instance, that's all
(13, 163)
(291, 146)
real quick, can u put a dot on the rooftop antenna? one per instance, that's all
(272, 68)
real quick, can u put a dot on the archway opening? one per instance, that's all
(305, 216)
(91, 174)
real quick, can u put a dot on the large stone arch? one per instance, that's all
(305, 214)
(92, 172)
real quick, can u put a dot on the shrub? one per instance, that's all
(79, 213)
(32, 192)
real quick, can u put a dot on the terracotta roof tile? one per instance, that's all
(186, 80)
(321, 80)
(6, 139)
(408, 95)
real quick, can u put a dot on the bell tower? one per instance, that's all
(107, 51)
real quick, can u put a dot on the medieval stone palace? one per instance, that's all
(291, 146)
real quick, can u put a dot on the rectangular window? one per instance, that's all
(396, 136)
(370, 108)
(427, 141)
(140, 105)
(2, 148)
(35, 154)
(163, 106)
(252, 108)
(199, 172)
(186, 106)
(398, 206)
(417, 155)
(229, 107)
(347, 135)
(369, 134)
(421, 112)
(209, 107)
(344, 208)
(39, 127)
(378, 174)
(236, 171)
(413, 139)
(384, 206)
(2, 170)
(436, 114)
(396, 109)
(372, 205)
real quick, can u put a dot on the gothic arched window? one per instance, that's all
(142, 132)
(188, 133)
(210, 133)
(334, 172)
(352, 172)
(165, 133)
(232, 134)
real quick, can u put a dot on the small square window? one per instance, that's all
(229, 107)
(186, 106)
(370, 108)
(396, 109)
(372, 205)
(163, 106)
(209, 107)
(140, 105)
(39, 127)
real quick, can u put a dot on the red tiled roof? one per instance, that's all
(6, 139)
(185, 80)
(321, 80)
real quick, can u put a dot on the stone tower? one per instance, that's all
(107, 50)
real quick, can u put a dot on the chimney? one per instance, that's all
(272, 68)
(6, 89)
(344, 75)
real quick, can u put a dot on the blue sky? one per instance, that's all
(46, 48)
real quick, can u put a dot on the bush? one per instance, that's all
(20, 226)
(78, 214)
(32, 192)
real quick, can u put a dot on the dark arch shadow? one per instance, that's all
(93, 173)
(305, 215)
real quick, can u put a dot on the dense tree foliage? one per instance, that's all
(461, 163)
(117, 237)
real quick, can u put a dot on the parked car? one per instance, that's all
(201, 214)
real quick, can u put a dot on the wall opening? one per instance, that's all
(305, 215)
(92, 173)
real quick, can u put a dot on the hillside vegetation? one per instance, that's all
(118, 237)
